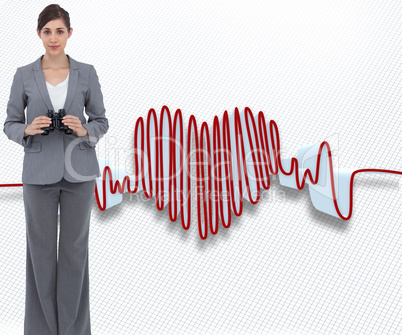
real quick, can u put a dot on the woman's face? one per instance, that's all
(54, 36)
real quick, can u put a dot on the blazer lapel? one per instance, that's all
(72, 83)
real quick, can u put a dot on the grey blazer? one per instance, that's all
(49, 158)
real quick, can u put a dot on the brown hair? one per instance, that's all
(53, 12)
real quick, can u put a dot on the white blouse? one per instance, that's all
(58, 93)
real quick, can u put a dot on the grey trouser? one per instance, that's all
(57, 289)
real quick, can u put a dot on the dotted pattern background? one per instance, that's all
(322, 70)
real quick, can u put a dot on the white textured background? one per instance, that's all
(322, 70)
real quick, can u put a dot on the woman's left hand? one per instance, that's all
(74, 123)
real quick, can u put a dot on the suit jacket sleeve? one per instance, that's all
(97, 124)
(15, 125)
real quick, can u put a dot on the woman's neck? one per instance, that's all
(55, 62)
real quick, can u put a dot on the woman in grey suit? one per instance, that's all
(59, 169)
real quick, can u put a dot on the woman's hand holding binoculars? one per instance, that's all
(74, 123)
(36, 125)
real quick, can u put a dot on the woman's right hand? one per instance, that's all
(36, 125)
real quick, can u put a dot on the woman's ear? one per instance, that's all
(37, 31)
(71, 31)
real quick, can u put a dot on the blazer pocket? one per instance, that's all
(84, 147)
(34, 147)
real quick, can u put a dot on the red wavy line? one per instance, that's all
(274, 167)
(269, 166)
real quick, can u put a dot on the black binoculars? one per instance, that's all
(56, 122)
